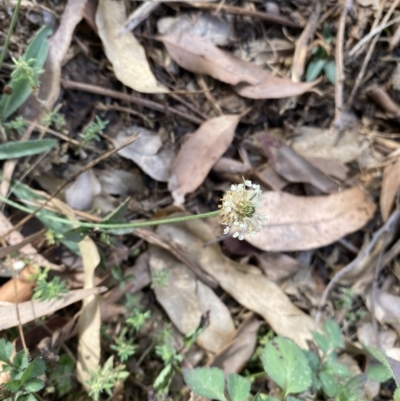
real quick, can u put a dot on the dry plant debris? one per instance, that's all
(163, 110)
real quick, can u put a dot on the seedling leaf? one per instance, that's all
(286, 364)
(238, 387)
(206, 382)
(13, 150)
(6, 350)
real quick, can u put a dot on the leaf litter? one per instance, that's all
(207, 86)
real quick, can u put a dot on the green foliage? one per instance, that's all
(92, 131)
(47, 290)
(105, 378)
(13, 150)
(54, 118)
(61, 374)
(25, 77)
(25, 375)
(160, 278)
(124, 346)
(18, 124)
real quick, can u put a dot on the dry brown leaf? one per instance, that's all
(59, 43)
(226, 165)
(277, 266)
(199, 154)
(20, 287)
(319, 142)
(291, 166)
(330, 167)
(297, 223)
(390, 186)
(382, 99)
(147, 153)
(199, 55)
(185, 299)
(243, 282)
(89, 320)
(268, 177)
(124, 52)
(35, 309)
(239, 350)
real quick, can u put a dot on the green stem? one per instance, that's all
(110, 226)
(9, 33)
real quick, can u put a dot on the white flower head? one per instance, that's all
(239, 209)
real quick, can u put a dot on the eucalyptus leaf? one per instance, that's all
(13, 150)
(206, 382)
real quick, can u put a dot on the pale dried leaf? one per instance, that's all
(59, 43)
(81, 193)
(185, 299)
(243, 282)
(298, 223)
(199, 153)
(319, 142)
(124, 52)
(277, 266)
(330, 167)
(89, 322)
(291, 166)
(146, 152)
(121, 182)
(35, 309)
(240, 349)
(230, 166)
(390, 186)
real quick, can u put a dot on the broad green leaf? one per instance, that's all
(286, 364)
(329, 384)
(290, 398)
(330, 71)
(13, 385)
(36, 368)
(6, 350)
(379, 373)
(21, 89)
(20, 360)
(13, 150)
(238, 387)
(396, 395)
(34, 385)
(335, 368)
(383, 359)
(353, 389)
(206, 382)
(333, 334)
(314, 69)
(263, 397)
(26, 397)
(321, 341)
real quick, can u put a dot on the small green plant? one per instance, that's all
(124, 346)
(25, 375)
(92, 131)
(346, 301)
(299, 374)
(18, 124)
(160, 278)
(54, 118)
(105, 378)
(60, 375)
(47, 290)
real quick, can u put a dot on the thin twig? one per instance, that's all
(388, 227)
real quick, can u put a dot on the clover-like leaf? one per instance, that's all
(206, 382)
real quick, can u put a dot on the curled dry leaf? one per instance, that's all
(185, 299)
(81, 193)
(199, 153)
(319, 142)
(147, 153)
(35, 309)
(199, 55)
(297, 223)
(390, 186)
(243, 282)
(124, 52)
(291, 166)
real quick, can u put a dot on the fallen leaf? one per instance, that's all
(59, 43)
(382, 99)
(243, 282)
(277, 266)
(89, 322)
(121, 182)
(146, 152)
(124, 52)
(199, 154)
(297, 223)
(268, 177)
(330, 167)
(291, 166)
(390, 186)
(240, 349)
(35, 309)
(319, 142)
(226, 165)
(212, 27)
(199, 55)
(81, 193)
(185, 299)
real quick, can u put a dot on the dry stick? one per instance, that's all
(368, 56)
(388, 227)
(98, 90)
(64, 184)
(337, 122)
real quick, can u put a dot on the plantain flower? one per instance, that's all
(238, 210)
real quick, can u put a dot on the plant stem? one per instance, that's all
(9, 33)
(111, 225)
